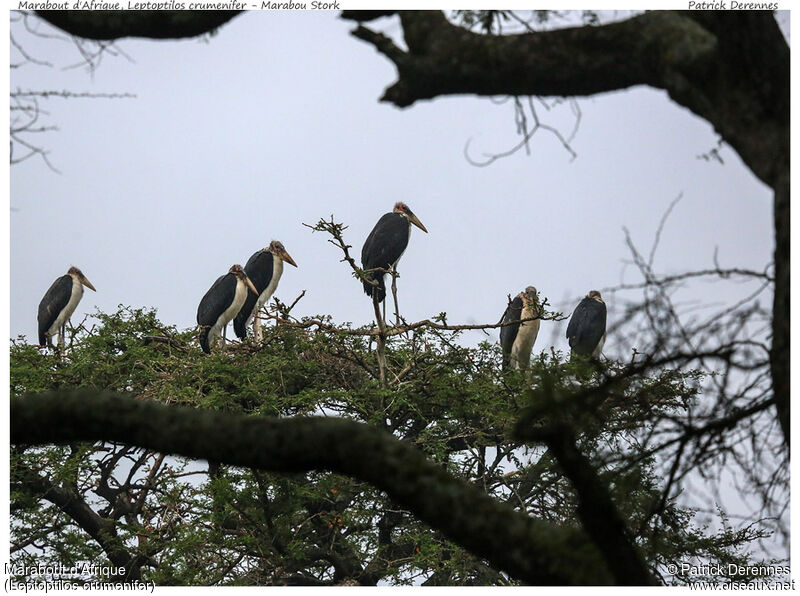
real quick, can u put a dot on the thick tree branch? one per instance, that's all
(781, 328)
(445, 59)
(531, 550)
(155, 24)
(362, 16)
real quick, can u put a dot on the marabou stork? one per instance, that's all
(385, 245)
(221, 303)
(59, 303)
(264, 269)
(586, 331)
(518, 338)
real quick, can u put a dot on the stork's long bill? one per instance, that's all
(288, 259)
(415, 220)
(87, 283)
(250, 285)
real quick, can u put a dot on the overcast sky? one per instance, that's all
(274, 121)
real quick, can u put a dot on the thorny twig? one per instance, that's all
(521, 121)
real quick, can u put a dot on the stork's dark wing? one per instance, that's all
(383, 247)
(587, 326)
(54, 301)
(386, 242)
(509, 333)
(259, 270)
(217, 299)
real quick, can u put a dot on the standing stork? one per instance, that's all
(264, 269)
(58, 304)
(221, 303)
(517, 339)
(385, 245)
(586, 331)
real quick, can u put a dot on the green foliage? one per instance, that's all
(193, 523)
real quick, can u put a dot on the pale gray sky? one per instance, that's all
(274, 121)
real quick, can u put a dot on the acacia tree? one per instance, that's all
(436, 448)
(731, 69)
(542, 476)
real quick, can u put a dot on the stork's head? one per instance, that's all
(529, 296)
(76, 273)
(276, 248)
(240, 274)
(595, 295)
(404, 210)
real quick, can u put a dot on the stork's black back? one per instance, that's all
(259, 269)
(509, 333)
(218, 298)
(587, 326)
(54, 301)
(383, 247)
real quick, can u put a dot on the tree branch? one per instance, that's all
(155, 24)
(532, 550)
(597, 511)
(779, 359)
(446, 59)
(102, 530)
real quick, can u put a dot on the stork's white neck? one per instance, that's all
(277, 271)
(397, 260)
(75, 296)
(526, 337)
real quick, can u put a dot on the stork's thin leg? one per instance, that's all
(257, 326)
(381, 341)
(394, 294)
(59, 347)
(224, 335)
